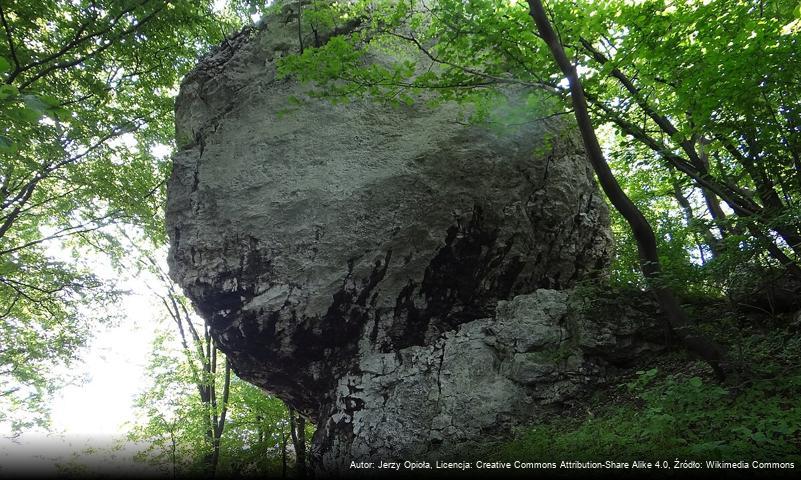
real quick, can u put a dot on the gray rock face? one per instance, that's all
(482, 379)
(396, 275)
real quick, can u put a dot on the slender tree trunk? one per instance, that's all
(711, 200)
(300, 25)
(689, 217)
(174, 446)
(201, 358)
(641, 229)
(300, 448)
(219, 427)
(284, 441)
(297, 427)
(697, 168)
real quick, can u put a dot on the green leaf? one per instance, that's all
(6, 145)
(25, 114)
(49, 100)
(8, 91)
(42, 321)
(33, 102)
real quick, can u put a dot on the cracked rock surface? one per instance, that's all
(400, 277)
(479, 381)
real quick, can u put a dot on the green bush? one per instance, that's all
(677, 416)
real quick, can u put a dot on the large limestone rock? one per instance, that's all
(396, 275)
(538, 352)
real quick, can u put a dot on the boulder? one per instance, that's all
(399, 276)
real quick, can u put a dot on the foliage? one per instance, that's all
(701, 106)
(702, 137)
(702, 113)
(683, 109)
(172, 421)
(197, 417)
(680, 415)
(682, 239)
(258, 434)
(86, 106)
(48, 325)
(675, 411)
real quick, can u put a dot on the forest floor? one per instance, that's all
(671, 408)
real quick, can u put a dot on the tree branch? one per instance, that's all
(71, 63)
(11, 47)
(677, 321)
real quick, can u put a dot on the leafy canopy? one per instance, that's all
(700, 99)
(86, 100)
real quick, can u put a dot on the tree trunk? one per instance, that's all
(643, 233)
(689, 217)
(219, 427)
(300, 448)
(173, 456)
(297, 427)
(698, 169)
(284, 440)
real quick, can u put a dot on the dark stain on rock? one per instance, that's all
(463, 282)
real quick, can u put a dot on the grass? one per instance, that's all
(675, 410)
